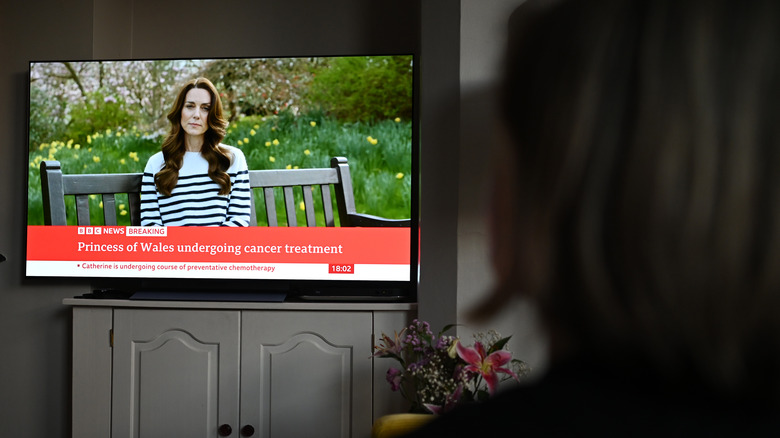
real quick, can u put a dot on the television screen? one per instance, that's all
(282, 117)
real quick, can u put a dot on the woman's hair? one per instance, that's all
(173, 147)
(646, 171)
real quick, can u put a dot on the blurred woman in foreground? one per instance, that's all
(638, 206)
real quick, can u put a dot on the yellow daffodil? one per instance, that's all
(302, 206)
(256, 126)
(77, 146)
(306, 152)
(123, 212)
(121, 206)
(275, 142)
(313, 123)
(267, 144)
(96, 159)
(246, 140)
(289, 166)
(252, 132)
(240, 142)
(399, 175)
(372, 140)
(121, 161)
(89, 139)
(101, 204)
(397, 120)
(272, 159)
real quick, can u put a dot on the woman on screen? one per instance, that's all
(195, 179)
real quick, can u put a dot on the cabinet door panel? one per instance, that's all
(176, 372)
(306, 373)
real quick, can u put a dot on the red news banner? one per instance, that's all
(380, 253)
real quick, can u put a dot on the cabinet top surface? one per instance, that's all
(356, 306)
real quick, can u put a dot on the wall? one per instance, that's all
(34, 326)
(483, 32)
(462, 45)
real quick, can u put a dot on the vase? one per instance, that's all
(395, 425)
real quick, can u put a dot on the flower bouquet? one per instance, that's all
(438, 372)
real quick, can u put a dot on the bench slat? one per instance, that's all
(270, 206)
(292, 177)
(109, 209)
(93, 184)
(289, 205)
(82, 209)
(327, 206)
(308, 203)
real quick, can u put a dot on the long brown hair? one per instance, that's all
(173, 147)
(646, 149)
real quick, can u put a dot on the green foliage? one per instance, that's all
(364, 88)
(47, 116)
(97, 113)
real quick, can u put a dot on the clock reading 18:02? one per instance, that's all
(341, 268)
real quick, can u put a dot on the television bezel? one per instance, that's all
(255, 289)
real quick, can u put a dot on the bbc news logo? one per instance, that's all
(96, 231)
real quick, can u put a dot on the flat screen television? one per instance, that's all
(109, 116)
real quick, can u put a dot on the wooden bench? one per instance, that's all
(56, 186)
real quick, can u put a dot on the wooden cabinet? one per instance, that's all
(175, 372)
(209, 369)
(307, 374)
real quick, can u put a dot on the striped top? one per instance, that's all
(196, 200)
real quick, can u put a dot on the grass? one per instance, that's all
(379, 155)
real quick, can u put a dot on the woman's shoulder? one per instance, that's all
(155, 162)
(231, 150)
(236, 154)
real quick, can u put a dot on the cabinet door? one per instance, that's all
(175, 372)
(306, 374)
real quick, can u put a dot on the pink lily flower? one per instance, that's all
(390, 347)
(487, 365)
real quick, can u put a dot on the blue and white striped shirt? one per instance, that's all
(196, 200)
